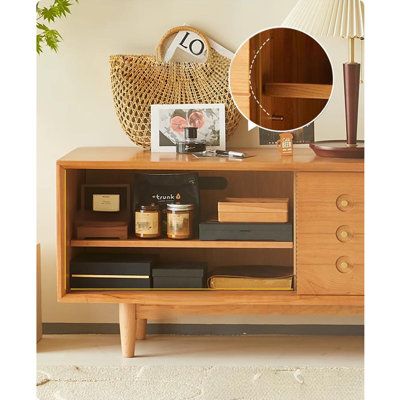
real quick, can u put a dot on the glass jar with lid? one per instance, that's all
(148, 221)
(180, 219)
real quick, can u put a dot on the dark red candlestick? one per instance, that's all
(351, 75)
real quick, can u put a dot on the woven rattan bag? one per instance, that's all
(138, 81)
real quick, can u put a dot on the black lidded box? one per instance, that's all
(110, 271)
(277, 232)
(180, 276)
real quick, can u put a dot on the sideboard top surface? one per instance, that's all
(262, 159)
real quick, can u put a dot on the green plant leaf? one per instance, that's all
(62, 7)
(50, 14)
(39, 40)
(52, 38)
(41, 26)
(58, 9)
(38, 11)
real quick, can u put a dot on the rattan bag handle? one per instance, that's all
(170, 32)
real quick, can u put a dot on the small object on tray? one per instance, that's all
(277, 232)
(101, 230)
(235, 155)
(251, 278)
(110, 271)
(230, 153)
(234, 209)
(190, 144)
(180, 276)
(285, 143)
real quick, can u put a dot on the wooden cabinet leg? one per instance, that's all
(127, 327)
(141, 329)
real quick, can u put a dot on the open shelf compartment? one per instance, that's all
(215, 253)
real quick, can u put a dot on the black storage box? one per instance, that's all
(180, 276)
(277, 232)
(110, 271)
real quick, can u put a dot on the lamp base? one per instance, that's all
(338, 148)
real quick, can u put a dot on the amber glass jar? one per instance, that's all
(148, 222)
(180, 221)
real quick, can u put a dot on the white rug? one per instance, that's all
(198, 383)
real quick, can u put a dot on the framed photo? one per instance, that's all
(300, 136)
(169, 120)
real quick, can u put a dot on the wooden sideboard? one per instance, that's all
(325, 206)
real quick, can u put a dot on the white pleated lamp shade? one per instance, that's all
(341, 18)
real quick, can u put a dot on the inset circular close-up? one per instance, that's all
(281, 79)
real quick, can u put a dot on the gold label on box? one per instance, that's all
(106, 202)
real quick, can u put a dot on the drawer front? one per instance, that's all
(325, 201)
(326, 249)
(326, 265)
(330, 233)
(326, 218)
(328, 186)
(341, 279)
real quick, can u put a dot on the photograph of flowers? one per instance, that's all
(169, 120)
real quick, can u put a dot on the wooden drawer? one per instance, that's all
(330, 279)
(325, 249)
(330, 233)
(326, 218)
(325, 201)
(326, 265)
(326, 187)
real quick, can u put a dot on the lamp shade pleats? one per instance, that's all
(341, 18)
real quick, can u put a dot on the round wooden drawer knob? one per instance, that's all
(344, 233)
(343, 202)
(343, 265)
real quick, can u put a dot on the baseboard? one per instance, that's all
(210, 329)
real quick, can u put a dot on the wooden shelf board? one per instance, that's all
(261, 159)
(298, 90)
(162, 312)
(211, 297)
(191, 244)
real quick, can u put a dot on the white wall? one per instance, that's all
(75, 106)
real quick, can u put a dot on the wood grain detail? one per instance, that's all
(239, 79)
(207, 298)
(326, 279)
(158, 312)
(181, 244)
(127, 327)
(260, 159)
(330, 233)
(322, 217)
(322, 248)
(298, 90)
(141, 325)
(283, 78)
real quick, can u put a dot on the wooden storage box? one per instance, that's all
(100, 217)
(102, 230)
(253, 210)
